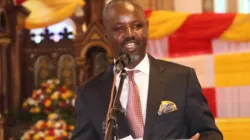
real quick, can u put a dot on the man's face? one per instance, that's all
(127, 30)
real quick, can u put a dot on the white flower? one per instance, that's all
(39, 91)
(41, 134)
(42, 97)
(57, 82)
(31, 131)
(49, 81)
(73, 102)
(40, 122)
(67, 101)
(56, 92)
(31, 101)
(25, 136)
(58, 124)
(57, 132)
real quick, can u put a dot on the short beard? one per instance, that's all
(134, 59)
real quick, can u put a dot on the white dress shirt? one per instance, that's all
(141, 79)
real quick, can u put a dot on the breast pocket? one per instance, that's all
(169, 117)
(168, 125)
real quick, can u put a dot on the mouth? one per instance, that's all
(130, 46)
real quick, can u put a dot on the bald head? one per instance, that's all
(127, 4)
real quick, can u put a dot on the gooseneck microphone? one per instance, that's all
(114, 104)
(122, 61)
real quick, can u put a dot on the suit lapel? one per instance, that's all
(155, 94)
(104, 92)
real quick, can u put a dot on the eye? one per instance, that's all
(137, 25)
(118, 28)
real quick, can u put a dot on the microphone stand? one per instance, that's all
(116, 109)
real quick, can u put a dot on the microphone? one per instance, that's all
(122, 61)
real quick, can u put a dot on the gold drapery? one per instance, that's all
(48, 12)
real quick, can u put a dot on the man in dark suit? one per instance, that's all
(171, 104)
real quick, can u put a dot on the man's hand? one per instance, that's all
(196, 136)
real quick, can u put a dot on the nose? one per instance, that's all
(129, 32)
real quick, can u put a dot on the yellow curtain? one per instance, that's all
(232, 69)
(239, 30)
(48, 12)
(163, 23)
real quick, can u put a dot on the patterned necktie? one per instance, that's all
(133, 111)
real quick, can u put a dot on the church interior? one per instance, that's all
(48, 48)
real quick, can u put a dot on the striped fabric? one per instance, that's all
(224, 74)
(216, 45)
(53, 11)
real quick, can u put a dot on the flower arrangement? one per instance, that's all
(52, 129)
(51, 97)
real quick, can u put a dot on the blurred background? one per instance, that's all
(49, 47)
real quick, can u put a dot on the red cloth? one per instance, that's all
(209, 93)
(147, 13)
(196, 33)
(182, 46)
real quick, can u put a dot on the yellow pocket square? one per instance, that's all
(166, 107)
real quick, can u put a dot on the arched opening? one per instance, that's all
(96, 60)
(66, 71)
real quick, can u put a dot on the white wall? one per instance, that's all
(190, 6)
(193, 6)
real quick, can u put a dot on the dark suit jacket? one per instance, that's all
(167, 81)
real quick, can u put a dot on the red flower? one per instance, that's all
(68, 127)
(62, 90)
(44, 101)
(51, 132)
(36, 96)
(49, 109)
(43, 88)
(58, 138)
(61, 127)
(44, 126)
(36, 130)
(62, 104)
